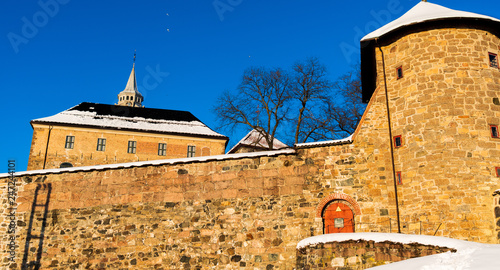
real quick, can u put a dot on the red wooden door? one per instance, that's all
(338, 218)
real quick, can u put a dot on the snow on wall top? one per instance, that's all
(324, 143)
(423, 11)
(123, 117)
(154, 163)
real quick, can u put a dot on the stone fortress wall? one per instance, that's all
(247, 212)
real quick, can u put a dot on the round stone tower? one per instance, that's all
(435, 74)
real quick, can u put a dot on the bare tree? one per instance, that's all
(312, 91)
(347, 111)
(305, 103)
(261, 102)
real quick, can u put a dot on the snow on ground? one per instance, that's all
(469, 255)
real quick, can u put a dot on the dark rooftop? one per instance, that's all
(126, 111)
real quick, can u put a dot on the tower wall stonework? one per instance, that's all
(443, 107)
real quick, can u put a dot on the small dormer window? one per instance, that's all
(399, 72)
(497, 170)
(493, 60)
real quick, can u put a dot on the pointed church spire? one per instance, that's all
(132, 82)
(130, 96)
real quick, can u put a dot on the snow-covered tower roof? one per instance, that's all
(131, 118)
(422, 12)
(421, 17)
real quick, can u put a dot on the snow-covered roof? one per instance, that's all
(131, 118)
(153, 163)
(469, 255)
(256, 140)
(424, 11)
(324, 143)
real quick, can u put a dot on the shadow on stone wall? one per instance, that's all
(36, 228)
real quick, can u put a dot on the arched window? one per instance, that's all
(338, 217)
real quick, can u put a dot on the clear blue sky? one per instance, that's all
(59, 53)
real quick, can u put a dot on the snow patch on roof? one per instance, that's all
(90, 118)
(325, 143)
(469, 255)
(423, 11)
(255, 139)
(154, 163)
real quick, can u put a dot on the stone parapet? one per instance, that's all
(360, 254)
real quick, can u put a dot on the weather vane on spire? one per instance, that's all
(134, 56)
